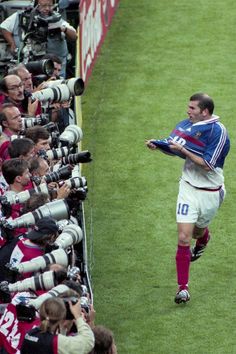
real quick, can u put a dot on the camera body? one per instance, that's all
(73, 300)
(36, 31)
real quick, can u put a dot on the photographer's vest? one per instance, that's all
(37, 342)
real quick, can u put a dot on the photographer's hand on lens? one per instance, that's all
(32, 106)
(63, 192)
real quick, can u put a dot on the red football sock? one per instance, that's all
(202, 241)
(182, 266)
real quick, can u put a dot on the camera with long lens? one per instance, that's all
(60, 90)
(27, 313)
(72, 135)
(56, 154)
(76, 182)
(32, 121)
(44, 281)
(61, 174)
(57, 209)
(56, 291)
(40, 67)
(79, 157)
(59, 93)
(71, 235)
(75, 85)
(23, 196)
(59, 256)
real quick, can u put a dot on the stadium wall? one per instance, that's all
(95, 20)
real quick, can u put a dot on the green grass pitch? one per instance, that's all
(156, 55)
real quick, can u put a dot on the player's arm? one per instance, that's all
(196, 159)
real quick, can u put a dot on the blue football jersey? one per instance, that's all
(207, 139)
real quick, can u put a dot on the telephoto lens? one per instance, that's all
(72, 135)
(56, 154)
(79, 157)
(44, 281)
(56, 291)
(71, 235)
(76, 182)
(58, 93)
(23, 196)
(61, 174)
(29, 122)
(57, 209)
(58, 256)
(45, 66)
(75, 85)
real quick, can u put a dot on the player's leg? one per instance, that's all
(202, 237)
(183, 256)
(186, 217)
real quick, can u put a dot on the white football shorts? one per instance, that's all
(196, 206)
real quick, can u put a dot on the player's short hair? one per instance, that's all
(204, 101)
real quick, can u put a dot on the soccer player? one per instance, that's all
(204, 144)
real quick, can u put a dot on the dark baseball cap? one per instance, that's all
(43, 227)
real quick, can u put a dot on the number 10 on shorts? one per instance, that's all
(182, 209)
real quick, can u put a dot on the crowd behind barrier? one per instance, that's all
(46, 299)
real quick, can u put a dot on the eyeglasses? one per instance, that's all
(16, 87)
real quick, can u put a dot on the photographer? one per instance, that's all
(11, 124)
(57, 66)
(22, 148)
(24, 74)
(34, 243)
(40, 136)
(10, 121)
(57, 36)
(13, 90)
(49, 337)
(104, 341)
(16, 174)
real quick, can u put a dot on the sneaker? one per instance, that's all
(182, 296)
(196, 252)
